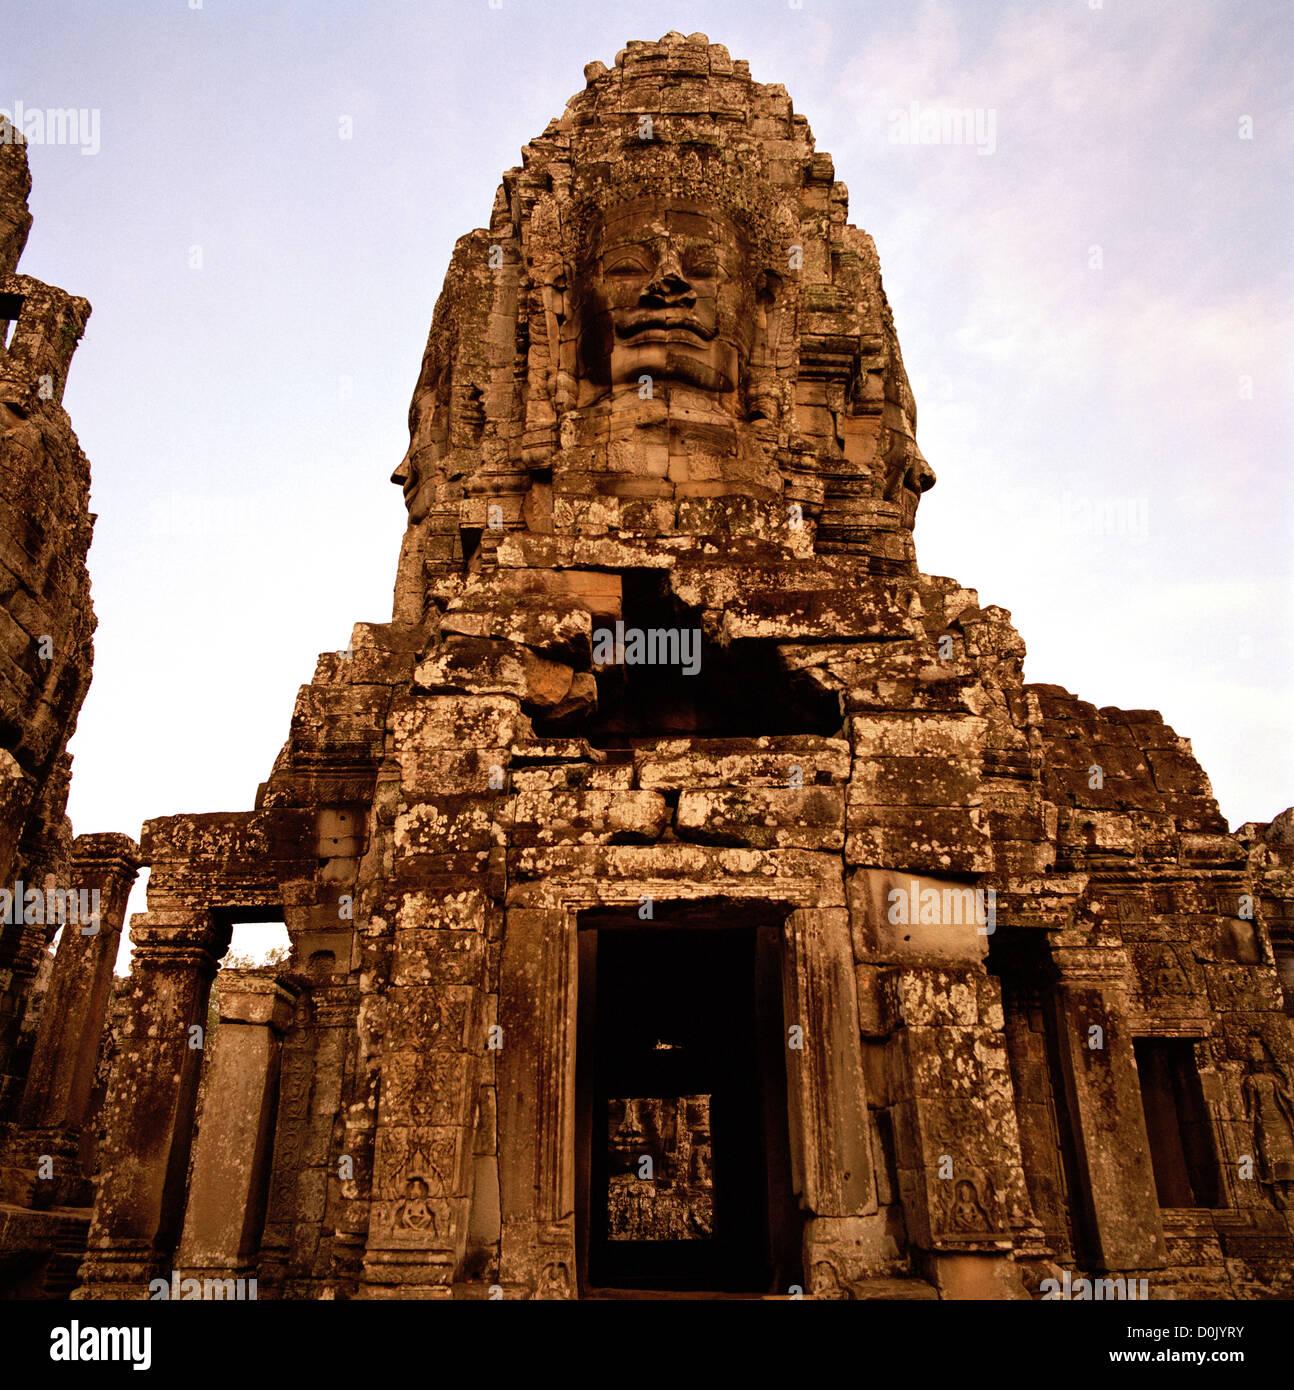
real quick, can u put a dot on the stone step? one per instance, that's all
(893, 1290)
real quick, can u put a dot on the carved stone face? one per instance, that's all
(908, 475)
(635, 1133)
(407, 477)
(416, 475)
(666, 293)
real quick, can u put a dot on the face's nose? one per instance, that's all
(921, 475)
(668, 283)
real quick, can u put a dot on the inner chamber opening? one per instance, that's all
(738, 691)
(684, 1175)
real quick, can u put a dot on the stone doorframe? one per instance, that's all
(828, 1126)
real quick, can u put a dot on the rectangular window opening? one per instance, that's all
(1284, 952)
(1177, 1123)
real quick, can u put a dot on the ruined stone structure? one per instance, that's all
(685, 891)
(46, 624)
(46, 620)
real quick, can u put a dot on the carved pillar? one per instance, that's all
(426, 1020)
(59, 1081)
(422, 1155)
(151, 1098)
(294, 1188)
(831, 1168)
(536, 1091)
(943, 1076)
(957, 1142)
(227, 1191)
(321, 1071)
(1117, 1206)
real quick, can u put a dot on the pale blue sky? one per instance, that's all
(242, 419)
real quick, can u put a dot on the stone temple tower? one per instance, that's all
(50, 1014)
(46, 618)
(685, 891)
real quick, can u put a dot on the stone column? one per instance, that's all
(312, 1040)
(831, 1167)
(536, 1090)
(1118, 1208)
(939, 1058)
(59, 1081)
(151, 1099)
(432, 1014)
(227, 1189)
(422, 1155)
(957, 1143)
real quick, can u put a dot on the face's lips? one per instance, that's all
(628, 1147)
(663, 322)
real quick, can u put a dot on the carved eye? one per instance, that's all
(701, 264)
(625, 265)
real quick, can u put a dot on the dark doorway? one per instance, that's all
(684, 1165)
(1177, 1123)
(1057, 1188)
